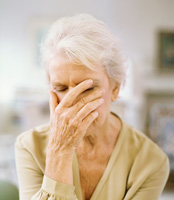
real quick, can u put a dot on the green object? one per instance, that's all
(8, 191)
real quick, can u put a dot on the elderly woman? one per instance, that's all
(86, 152)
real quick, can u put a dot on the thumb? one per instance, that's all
(53, 101)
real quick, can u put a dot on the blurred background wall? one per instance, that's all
(23, 86)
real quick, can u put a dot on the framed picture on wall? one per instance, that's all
(160, 122)
(153, 98)
(166, 51)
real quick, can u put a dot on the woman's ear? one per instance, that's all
(115, 93)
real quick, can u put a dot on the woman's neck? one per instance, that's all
(104, 137)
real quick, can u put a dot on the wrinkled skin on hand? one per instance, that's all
(69, 121)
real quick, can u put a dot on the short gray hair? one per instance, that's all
(84, 40)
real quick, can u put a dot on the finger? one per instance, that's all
(85, 111)
(87, 122)
(53, 101)
(85, 100)
(71, 96)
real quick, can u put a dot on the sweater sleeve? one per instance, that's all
(53, 190)
(154, 184)
(33, 185)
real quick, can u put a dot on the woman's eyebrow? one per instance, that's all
(58, 84)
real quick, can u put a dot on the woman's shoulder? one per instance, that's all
(146, 164)
(31, 145)
(32, 138)
(142, 149)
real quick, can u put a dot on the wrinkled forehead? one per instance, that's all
(61, 71)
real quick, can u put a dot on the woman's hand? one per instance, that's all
(69, 121)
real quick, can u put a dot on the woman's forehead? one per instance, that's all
(61, 73)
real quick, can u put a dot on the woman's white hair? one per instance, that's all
(84, 40)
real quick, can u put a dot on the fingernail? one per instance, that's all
(102, 91)
(89, 82)
(101, 100)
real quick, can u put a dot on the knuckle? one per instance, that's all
(57, 110)
(89, 106)
(80, 129)
(65, 117)
(72, 93)
(78, 105)
(83, 100)
(74, 124)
